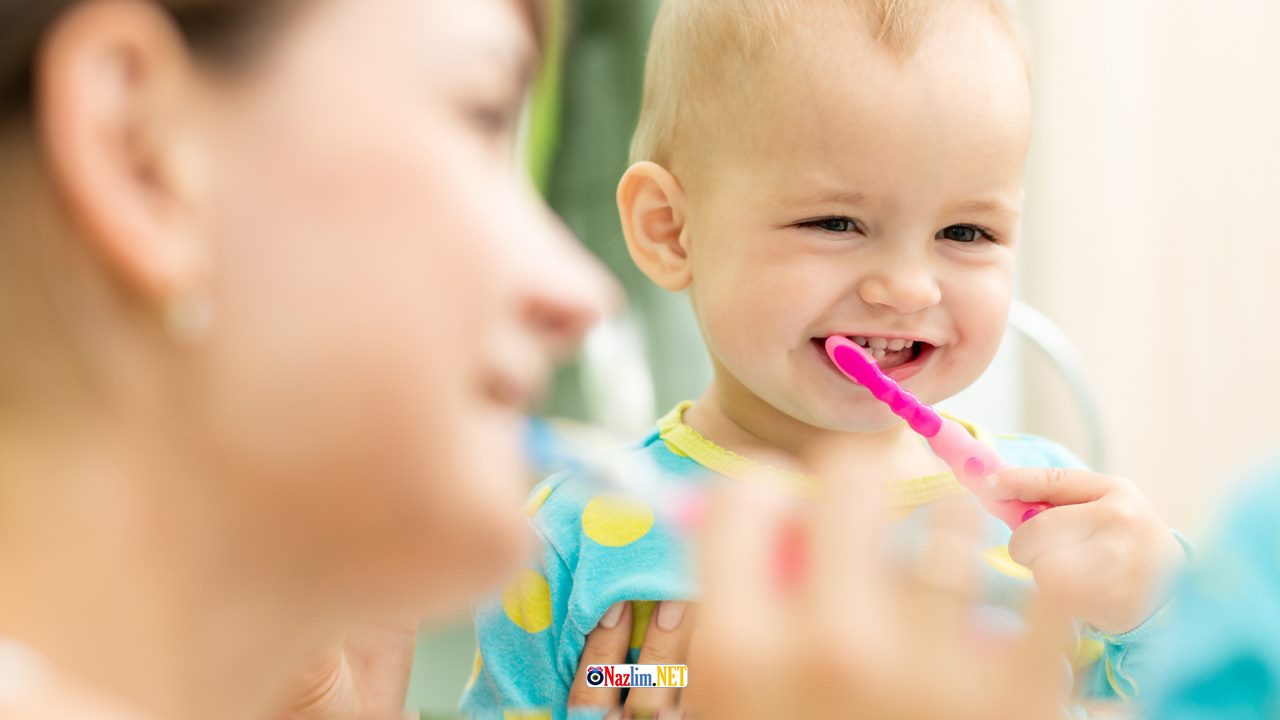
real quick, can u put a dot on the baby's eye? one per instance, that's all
(833, 224)
(964, 234)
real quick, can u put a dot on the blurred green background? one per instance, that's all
(577, 142)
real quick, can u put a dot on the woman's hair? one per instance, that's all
(44, 313)
(220, 29)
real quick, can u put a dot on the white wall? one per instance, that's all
(1152, 233)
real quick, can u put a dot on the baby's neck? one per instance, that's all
(745, 424)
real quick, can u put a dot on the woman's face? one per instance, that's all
(390, 293)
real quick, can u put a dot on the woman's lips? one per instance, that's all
(511, 391)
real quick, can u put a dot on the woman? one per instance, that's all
(273, 303)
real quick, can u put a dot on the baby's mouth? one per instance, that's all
(890, 353)
(887, 352)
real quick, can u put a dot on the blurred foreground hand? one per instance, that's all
(847, 635)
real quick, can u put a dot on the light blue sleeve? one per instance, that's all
(518, 634)
(1220, 648)
(596, 550)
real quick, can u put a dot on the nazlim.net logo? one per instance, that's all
(637, 676)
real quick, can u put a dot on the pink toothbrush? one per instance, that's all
(969, 458)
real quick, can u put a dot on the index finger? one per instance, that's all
(666, 642)
(738, 541)
(606, 645)
(846, 538)
(1056, 486)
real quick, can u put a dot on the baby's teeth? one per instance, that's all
(878, 343)
(860, 341)
(896, 345)
(878, 354)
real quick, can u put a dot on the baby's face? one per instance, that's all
(865, 196)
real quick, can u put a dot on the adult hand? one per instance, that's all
(666, 642)
(852, 635)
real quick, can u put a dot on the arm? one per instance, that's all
(1104, 552)
(517, 636)
(1219, 653)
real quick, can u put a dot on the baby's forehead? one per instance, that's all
(812, 103)
(779, 71)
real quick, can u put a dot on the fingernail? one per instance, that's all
(989, 482)
(614, 714)
(611, 618)
(670, 613)
(670, 714)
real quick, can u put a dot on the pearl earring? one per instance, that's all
(188, 317)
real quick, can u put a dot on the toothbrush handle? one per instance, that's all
(972, 460)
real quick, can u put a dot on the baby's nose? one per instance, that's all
(905, 287)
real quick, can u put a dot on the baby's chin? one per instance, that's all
(855, 418)
(863, 414)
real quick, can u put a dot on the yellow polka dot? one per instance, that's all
(527, 601)
(614, 521)
(535, 501)
(641, 611)
(475, 671)
(526, 715)
(998, 558)
(1088, 651)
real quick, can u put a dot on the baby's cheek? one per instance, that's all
(980, 331)
(967, 363)
(979, 301)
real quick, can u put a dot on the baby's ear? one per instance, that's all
(651, 204)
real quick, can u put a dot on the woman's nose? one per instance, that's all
(568, 291)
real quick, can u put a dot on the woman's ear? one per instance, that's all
(651, 203)
(115, 91)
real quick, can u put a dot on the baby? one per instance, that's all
(803, 169)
